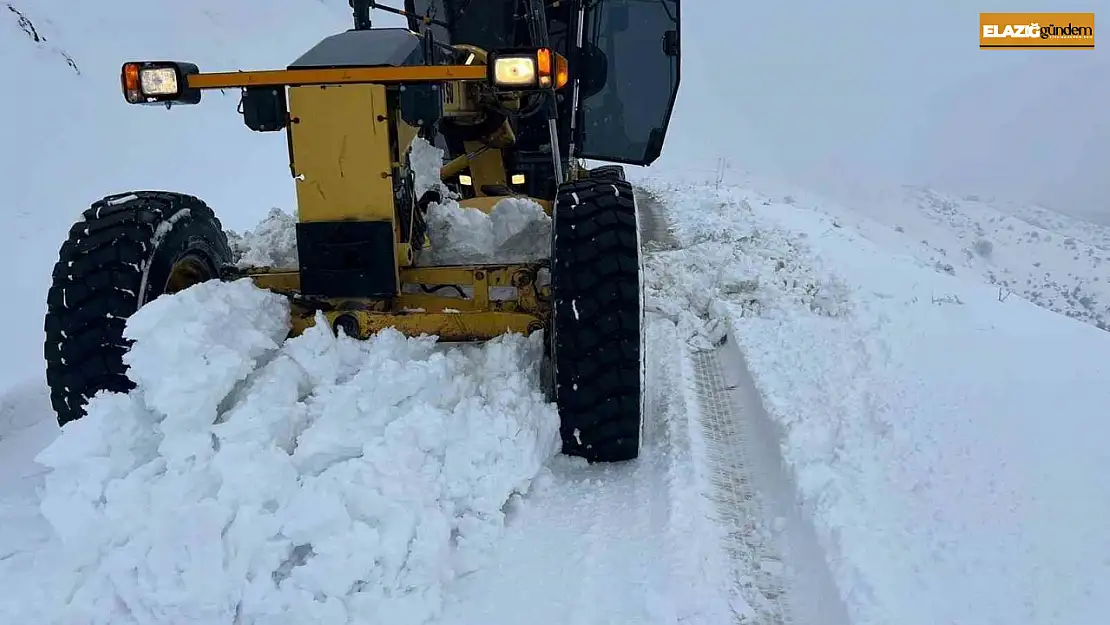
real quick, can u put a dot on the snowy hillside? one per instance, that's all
(69, 139)
(1050, 259)
(1056, 261)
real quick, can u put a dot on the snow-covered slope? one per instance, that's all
(1053, 260)
(69, 139)
(948, 446)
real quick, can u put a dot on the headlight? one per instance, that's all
(514, 71)
(528, 69)
(160, 81)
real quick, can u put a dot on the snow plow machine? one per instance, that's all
(518, 94)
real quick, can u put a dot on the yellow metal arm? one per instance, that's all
(337, 76)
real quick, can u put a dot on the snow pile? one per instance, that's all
(272, 243)
(726, 256)
(250, 479)
(949, 446)
(517, 230)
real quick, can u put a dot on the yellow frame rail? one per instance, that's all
(337, 76)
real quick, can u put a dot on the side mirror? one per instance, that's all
(670, 43)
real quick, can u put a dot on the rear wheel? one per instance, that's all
(126, 251)
(596, 345)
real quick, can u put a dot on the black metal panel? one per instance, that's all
(265, 109)
(488, 24)
(361, 48)
(347, 259)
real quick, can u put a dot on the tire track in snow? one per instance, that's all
(754, 556)
(760, 594)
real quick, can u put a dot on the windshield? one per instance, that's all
(626, 120)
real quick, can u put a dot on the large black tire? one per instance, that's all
(596, 341)
(120, 256)
(607, 173)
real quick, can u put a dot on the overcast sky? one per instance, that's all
(859, 92)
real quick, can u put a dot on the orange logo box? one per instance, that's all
(1036, 31)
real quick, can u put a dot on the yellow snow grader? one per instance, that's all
(517, 94)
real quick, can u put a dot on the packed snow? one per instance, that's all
(426, 162)
(251, 479)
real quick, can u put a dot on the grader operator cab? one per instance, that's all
(517, 93)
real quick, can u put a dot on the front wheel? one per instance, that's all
(125, 251)
(596, 342)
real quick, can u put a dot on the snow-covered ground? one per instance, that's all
(948, 445)
(858, 414)
(909, 447)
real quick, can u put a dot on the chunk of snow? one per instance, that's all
(272, 243)
(426, 161)
(252, 479)
(516, 230)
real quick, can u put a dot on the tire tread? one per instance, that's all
(96, 286)
(597, 359)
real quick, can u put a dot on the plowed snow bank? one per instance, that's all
(250, 479)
